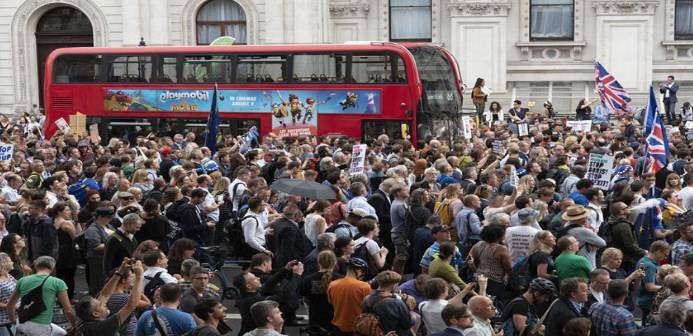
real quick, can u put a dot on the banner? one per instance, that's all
(358, 159)
(244, 101)
(579, 125)
(6, 152)
(467, 127)
(599, 170)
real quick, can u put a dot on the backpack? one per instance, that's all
(32, 303)
(605, 231)
(238, 246)
(368, 324)
(564, 230)
(520, 277)
(361, 251)
(81, 245)
(442, 209)
(508, 326)
(154, 283)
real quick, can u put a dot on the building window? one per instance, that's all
(221, 18)
(410, 20)
(684, 20)
(551, 19)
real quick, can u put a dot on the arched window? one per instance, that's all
(221, 18)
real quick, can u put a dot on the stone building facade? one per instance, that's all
(533, 50)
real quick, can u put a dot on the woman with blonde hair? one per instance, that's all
(540, 262)
(663, 292)
(141, 181)
(673, 183)
(450, 199)
(7, 287)
(314, 288)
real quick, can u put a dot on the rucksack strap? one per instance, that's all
(156, 320)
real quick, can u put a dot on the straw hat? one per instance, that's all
(575, 212)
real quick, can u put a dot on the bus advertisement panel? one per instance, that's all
(294, 112)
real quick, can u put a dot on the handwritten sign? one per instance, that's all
(498, 147)
(62, 125)
(78, 123)
(599, 170)
(523, 130)
(580, 125)
(358, 159)
(94, 133)
(467, 127)
(6, 152)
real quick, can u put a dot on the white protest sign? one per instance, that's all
(580, 125)
(6, 152)
(523, 130)
(358, 159)
(599, 170)
(62, 125)
(467, 127)
(498, 147)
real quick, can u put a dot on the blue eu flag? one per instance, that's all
(213, 124)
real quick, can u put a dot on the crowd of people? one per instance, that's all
(494, 235)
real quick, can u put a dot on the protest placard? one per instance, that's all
(6, 152)
(94, 133)
(498, 147)
(523, 129)
(466, 127)
(62, 125)
(579, 125)
(358, 159)
(78, 123)
(599, 170)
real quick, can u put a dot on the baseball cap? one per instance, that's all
(356, 212)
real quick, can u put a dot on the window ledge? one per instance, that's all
(551, 44)
(678, 43)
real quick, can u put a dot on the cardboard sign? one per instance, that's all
(62, 125)
(358, 159)
(599, 170)
(523, 129)
(579, 125)
(6, 152)
(466, 127)
(94, 133)
(78, 123)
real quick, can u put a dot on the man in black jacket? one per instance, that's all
(291, 241)
(252, 291)
(381, 202)
(193, 222)
(574, 293)
(623, 236)
(122, 243)
(40, 232)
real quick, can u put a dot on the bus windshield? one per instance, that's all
(441, 95)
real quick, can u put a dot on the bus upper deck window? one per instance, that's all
(77, 69)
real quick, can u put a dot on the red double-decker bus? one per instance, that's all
(360, 90)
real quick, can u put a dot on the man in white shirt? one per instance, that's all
(157, 262)
(209, 206)
(482, 311)
(254, 228)
(595, 197)
(359, 201)
(238, 186)
(599, 281)
(686, 194)
(517, 238)
(10, 191)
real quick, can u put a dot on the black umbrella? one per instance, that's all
(308, 189)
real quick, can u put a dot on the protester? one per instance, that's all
(166, 319)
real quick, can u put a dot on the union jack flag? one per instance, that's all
(657, 144)
(610, 91)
